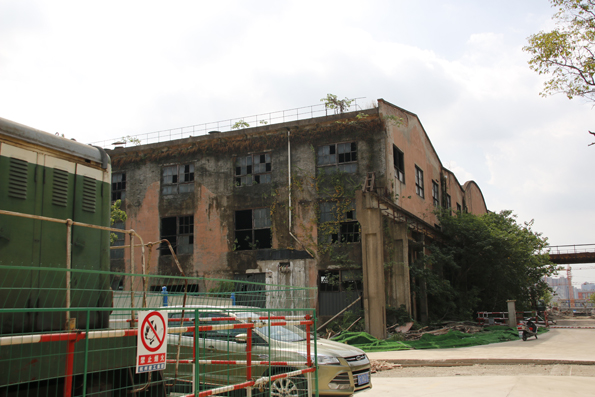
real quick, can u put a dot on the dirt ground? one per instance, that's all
(489, 370)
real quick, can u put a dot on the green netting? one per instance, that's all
(38, 350)
(493, 334)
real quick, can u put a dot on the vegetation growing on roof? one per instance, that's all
(243, 143)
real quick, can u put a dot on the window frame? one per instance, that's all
(254, 243)
(419, 182)
(435, 194)
(181, 223)
(348, 229)
(256, 177)
(118, 187)
(186, 184)
(120, 241)
(448, 201)
(337, 164)
(399, 163)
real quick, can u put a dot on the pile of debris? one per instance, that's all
(379, 365)
(409, 334)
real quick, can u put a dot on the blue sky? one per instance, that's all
(103, 70)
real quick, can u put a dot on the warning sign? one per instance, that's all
(151, 346)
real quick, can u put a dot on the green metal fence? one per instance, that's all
(82, 340)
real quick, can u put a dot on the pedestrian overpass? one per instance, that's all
(571, 254)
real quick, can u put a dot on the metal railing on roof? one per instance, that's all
(257, 120)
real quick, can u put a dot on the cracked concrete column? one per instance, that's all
(399, 292)
(370, 220)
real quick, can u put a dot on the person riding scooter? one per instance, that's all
(529, 329)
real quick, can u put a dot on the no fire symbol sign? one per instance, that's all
(151, 346)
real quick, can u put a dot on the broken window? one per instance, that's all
(340, 280)
(338, 223)
(253, 229)
(118, 253)
(435, 194)
(337, 157)
(448, 203)
(399, 163)
(179, 231)
(118, 186)
(253, 169)
(178, 179)
(419, 182)
(459, 207)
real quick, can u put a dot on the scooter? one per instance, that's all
(527, 329)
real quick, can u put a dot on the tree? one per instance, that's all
(480, 263)
(567, 53)
(333, 102)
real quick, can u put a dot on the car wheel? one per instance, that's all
(289, 387)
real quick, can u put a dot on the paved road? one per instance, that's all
(559, 346)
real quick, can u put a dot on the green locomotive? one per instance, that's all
(50, 176)
(55, 282)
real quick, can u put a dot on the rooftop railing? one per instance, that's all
(282, 116)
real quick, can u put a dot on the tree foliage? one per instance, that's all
(333, 102)
(481, 262)
(566, 53)
(117, 215)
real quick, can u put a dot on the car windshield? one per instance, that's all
(285, 333)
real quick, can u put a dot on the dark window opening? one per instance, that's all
(253, 229)
(340, 280)
(118, 186)
(435, 194)
(459, 207)
(253, 169)
(179, 231)
(419, 182)
(448, 202)
(338, 157)
(399, 163)
(338, 224)
(120, 238)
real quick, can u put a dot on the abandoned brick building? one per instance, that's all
(344, 202)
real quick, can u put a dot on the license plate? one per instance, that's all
(362, 379)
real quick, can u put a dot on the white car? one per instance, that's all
(342, 369)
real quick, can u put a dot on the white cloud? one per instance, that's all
(109, 69)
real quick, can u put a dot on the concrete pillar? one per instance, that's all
(400, 291)
(511, 313)
(370, 220)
